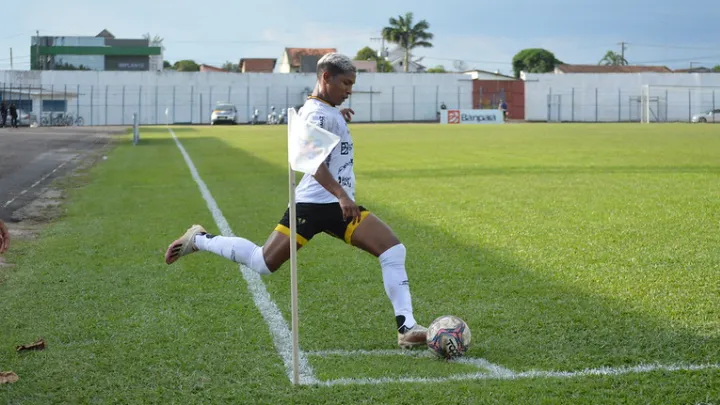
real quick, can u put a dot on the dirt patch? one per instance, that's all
(26, 223)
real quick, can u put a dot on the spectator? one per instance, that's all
(3, 114)
(4, 238)
(13, 116)
(503, 108)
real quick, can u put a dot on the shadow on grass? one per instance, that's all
(519, 317)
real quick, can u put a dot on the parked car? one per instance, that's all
(25, 119)
(707, 116)
(224, 113)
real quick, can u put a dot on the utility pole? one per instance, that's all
(11, 59)
(622, 50)
(382, 54)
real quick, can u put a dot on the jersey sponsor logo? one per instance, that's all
(321, 121)
(453, 116)
(346, 148)
(343, 167)
(344, 181)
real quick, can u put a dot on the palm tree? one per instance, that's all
(407, 35)
(613, 59)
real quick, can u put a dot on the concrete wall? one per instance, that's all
(614, 97)
(110, 98)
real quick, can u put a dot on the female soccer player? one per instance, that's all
(325, 203)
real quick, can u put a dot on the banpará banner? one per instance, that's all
(471, 117)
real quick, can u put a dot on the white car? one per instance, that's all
(707, 116)
(224, 113)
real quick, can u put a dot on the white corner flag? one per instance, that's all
(308, 144)
(308, 147)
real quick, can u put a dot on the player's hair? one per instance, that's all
(335, 64)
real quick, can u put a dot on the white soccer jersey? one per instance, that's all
(339, 162)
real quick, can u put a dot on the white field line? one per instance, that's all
(493, 371)
(37, 182)
(282, 337)
(491, 368)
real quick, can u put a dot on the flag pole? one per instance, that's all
(293, 266)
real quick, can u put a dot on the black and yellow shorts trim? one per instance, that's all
(315, 218)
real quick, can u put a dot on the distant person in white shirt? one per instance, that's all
(325, 204)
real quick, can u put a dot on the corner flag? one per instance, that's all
(308, 144)
(308, 147)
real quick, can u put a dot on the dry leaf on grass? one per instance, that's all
(8, 377)
(37, 345)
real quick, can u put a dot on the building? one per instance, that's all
(565, 68)
(365, 66)
(699, 69)
(302, 60)
(396, 57)
(477, 74)
(101, 52)
(210, 68)
(492, 88)
(257, 65)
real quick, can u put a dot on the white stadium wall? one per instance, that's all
(110, 98)
(616, 97)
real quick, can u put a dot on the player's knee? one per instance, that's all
(395, 255)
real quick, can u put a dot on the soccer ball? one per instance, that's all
(448, 337)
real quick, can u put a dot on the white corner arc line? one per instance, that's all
(281, 334)
(606, 371)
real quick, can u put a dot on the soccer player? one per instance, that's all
(325, 203)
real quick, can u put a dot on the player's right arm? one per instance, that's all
(325, 178)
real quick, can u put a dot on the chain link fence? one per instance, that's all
(157, 105)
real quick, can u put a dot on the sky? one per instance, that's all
(483, 34)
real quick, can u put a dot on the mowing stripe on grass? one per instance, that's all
(279, 329)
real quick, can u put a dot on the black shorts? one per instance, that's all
(315, 218)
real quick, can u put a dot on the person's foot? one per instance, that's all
(183, 246)
(409, 338)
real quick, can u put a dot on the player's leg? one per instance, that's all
(377, 238)
(262, 259)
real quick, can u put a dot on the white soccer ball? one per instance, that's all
(448, 337)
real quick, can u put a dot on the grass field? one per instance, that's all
(585, 259)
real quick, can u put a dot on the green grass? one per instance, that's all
(564, 247)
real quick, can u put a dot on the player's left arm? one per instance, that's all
(347, 113)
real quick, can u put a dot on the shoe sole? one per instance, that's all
(183, 245)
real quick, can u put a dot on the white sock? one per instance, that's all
(237, 249)
(395, 279)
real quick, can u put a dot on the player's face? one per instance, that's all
(339, 87)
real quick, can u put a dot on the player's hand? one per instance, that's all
(350, 209)
(4, 238)
(347, 114)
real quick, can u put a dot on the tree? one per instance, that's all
(437, 69)
(534, 60)
(231, 67)
(407, 35)
(716, 68)
(167, 65)
(613, 59)
(368, 53)
(460, 66)
(154, 41)
(186, 65)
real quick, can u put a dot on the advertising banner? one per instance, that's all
(471, 117)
